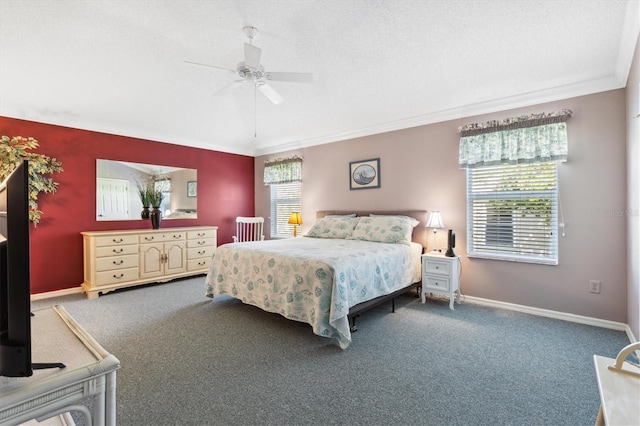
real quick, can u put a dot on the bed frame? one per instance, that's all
(419, 236)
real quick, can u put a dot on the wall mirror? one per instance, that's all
(117, 195)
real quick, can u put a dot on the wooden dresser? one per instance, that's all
(116, 259)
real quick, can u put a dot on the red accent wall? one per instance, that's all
(225, 190)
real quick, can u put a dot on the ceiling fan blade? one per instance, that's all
(270, 93)
(228, 87)
(210, 66)
(294, 77)
(252, 56)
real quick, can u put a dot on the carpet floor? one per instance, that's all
(189, 360)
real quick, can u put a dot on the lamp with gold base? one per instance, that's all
(295, 219)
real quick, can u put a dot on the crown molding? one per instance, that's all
(495, 105)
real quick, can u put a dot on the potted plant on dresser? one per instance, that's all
(155, 198)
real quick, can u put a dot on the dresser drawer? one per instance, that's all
(162, 237)
(116, 250)
(116, 240)
(116, 262)
(204, 233)
(201, 242)
(199, 252)
(437, 283)
(118, 276)
(198, 264)
(436, 267)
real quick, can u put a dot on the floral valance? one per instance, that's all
(283, 170)
(534, 138)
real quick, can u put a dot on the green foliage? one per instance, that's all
(156, 198)
(150, 191)
(13, 151)
(146, 193)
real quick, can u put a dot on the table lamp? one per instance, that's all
(295, 219)
(435, 222)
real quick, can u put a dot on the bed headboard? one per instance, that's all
(419, 232)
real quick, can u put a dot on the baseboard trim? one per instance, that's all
(56, 293)
(471, 299)
(553, 314)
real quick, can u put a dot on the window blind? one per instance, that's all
(285, 199)
(513, 212)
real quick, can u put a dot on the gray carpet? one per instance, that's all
(190, 360)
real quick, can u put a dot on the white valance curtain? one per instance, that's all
(283, 170)
(534, 138)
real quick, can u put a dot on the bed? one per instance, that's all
(347, 263)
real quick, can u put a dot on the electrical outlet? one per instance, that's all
(594, 286)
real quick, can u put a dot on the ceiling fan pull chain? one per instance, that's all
(255, 110)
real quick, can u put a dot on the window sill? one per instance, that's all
(514, 258)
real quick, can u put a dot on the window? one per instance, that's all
(512, 212)
(284, 176)
(286, 198)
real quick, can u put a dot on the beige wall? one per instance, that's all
(419, 170)
(633, 195)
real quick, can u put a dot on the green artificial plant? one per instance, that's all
(146, 193)
(13, 151)
(150, 190)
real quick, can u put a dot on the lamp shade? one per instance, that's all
(295, 219)
(435, 220)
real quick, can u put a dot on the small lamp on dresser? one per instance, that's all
(435, 222)
(295, 219)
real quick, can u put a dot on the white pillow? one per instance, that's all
(383, 229)
(333, 227)
(412, 220)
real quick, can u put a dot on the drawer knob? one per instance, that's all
(437, 267)
(118, 241)
(201, 263)
(149, 238)
(120, 250)
(202, 252)
(200, 234)
(201, 242)
(118, 276)
(118, 262)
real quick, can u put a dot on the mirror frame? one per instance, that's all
(120, 195)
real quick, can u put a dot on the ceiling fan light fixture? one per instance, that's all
(247, 72)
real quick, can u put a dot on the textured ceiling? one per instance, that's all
(119, 66)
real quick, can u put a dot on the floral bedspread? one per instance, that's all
(312, 280)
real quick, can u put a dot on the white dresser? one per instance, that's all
(441, 275)
(116, 259)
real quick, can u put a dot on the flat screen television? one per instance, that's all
(15, 283)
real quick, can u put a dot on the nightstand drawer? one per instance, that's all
(437, 283)
(437, 267)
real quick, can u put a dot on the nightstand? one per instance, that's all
(441, 275)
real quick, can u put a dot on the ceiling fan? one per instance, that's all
(251, 71)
